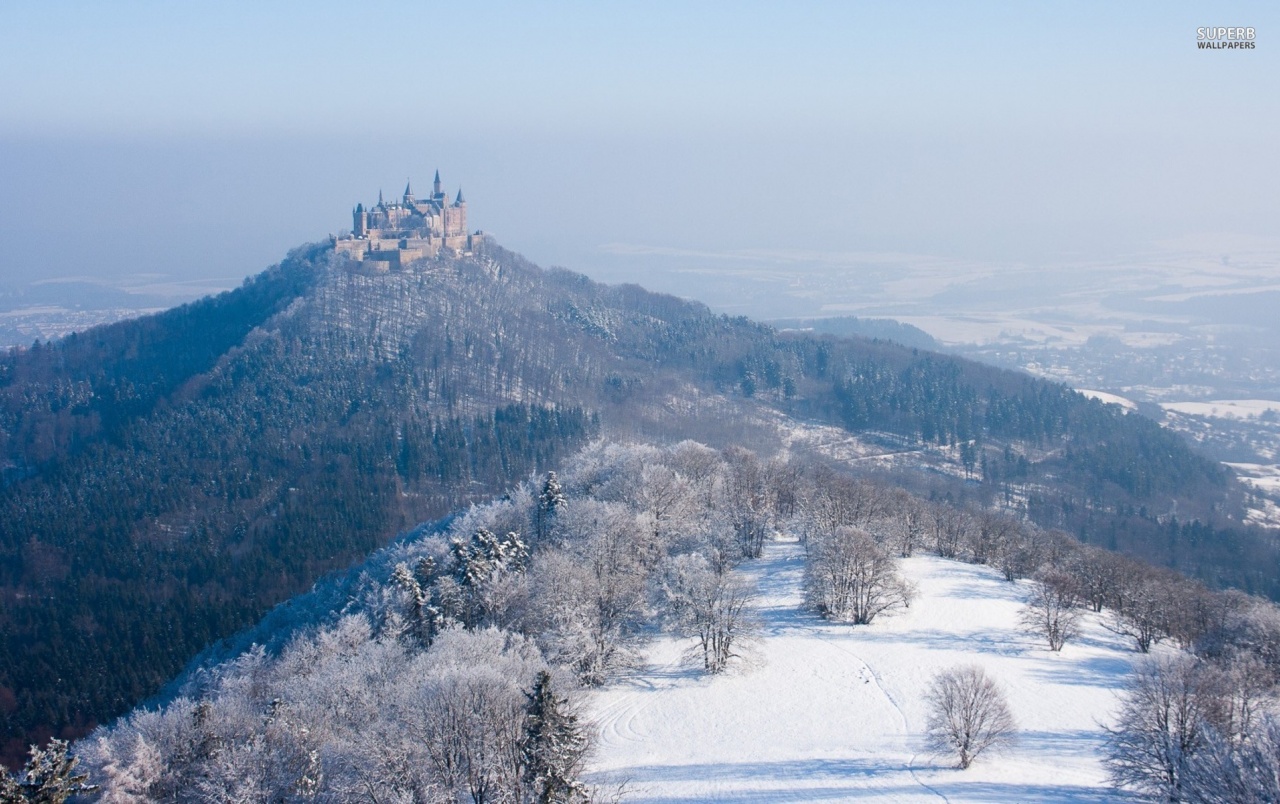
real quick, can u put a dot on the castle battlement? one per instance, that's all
(389, 236)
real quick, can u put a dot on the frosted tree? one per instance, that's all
(906, 522)
(131, 776)
(1244, 771)
(466, 710)
(1165, 712)
(588, 601)
(968, 714)
(1099, 575)
(553, 746)
(425, 618)
(850, 577)
(1052, 610)
(49, 777)
(716, 609)
(665, 500)
(551, 500)
(749, 501)
(1143, 612)
(949, 527)
(1017, 549)
(481, 568)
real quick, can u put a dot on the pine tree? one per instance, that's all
(48, 778)
(550, 502)
(553, 746)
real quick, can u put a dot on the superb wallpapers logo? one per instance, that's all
(1225, 38)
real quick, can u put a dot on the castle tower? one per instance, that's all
(408, 193)
(360, 221)
(436, 189)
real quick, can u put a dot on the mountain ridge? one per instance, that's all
(173, 477)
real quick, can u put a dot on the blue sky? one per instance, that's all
(1002, 131)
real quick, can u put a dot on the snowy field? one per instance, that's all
(1110, 399)
(1225, 408)
(827, 712)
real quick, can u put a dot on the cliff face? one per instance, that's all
(168, 479)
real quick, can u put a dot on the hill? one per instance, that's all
(169, 479)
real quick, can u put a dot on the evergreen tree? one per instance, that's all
(553, 746)
(48, 778)
(550, 502)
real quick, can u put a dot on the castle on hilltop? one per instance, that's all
(388, 237)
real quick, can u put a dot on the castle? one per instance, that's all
(390, 236)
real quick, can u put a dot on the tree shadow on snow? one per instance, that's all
(837, 779)
(1002, 642)
(1094, 671)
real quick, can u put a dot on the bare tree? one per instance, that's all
(713, 608)
(1052, 610)
(1099, 575)
(1227, 771)
(850, 577)
(950, 527)
(1143, 612)
(1018, 549)
(750, 503)
(967, 714)
(907, 522)
(1164, 713)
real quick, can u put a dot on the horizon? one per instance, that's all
(199, 143)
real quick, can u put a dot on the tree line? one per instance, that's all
(420, 685)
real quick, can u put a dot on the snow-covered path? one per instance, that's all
(833, 712)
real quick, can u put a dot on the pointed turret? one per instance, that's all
(381, 203)
(436, 190)
(459, 201)
(408, 192)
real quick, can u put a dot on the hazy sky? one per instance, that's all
(204, 139)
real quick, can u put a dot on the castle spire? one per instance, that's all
(408, 191)
(380, 201)
(436, 190)
(460, 199)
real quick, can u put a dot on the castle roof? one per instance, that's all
(460, 200)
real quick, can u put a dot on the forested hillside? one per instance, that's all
(169, 479)
(455, 664)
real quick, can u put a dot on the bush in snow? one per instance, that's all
(968, 714)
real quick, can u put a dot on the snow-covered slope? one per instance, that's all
(828, 712)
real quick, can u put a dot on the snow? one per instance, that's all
(1110, 399)
(832, 712)
(1262, 476)
(1225, 408)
